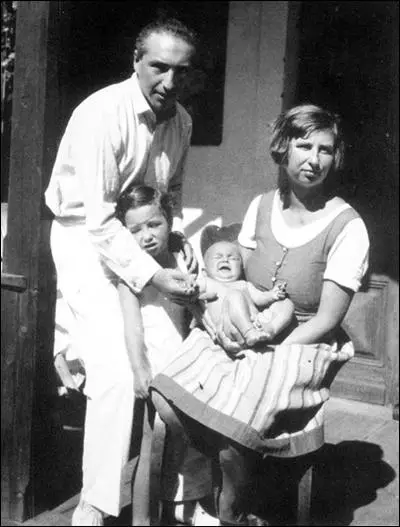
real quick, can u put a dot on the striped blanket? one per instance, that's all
(261, 400)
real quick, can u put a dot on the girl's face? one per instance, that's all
(310, 159)
(150, 229)
(223, 262)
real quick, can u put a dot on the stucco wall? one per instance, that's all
(222, 180)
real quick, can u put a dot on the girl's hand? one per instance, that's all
(142, 379)
(179, 243)
(189, 257)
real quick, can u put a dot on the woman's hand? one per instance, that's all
(202, 316)
(228, 336)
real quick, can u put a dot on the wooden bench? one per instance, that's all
(146, 479)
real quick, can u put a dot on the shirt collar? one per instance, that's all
(141, 105)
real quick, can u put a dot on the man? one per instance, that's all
(127, 133)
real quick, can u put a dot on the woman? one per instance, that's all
(308, 237)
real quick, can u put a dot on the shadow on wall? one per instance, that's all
(195, 220)
(347, 476)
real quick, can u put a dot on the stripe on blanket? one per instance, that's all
(277, 393)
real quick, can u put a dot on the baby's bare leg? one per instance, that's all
(240, 314)
(277, 317)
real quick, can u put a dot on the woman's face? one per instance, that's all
(150, 229)
(310, 159)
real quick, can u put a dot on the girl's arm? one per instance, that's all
(134, 339)
(333, 306)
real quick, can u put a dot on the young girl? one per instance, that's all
(154, 330)
(159, 324)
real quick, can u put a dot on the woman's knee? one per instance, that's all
(167, 413)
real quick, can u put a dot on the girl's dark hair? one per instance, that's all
(301, 121)
(141, 195)
(173, 26)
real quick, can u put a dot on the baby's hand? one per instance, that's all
(279, 290)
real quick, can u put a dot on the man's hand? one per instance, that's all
(179, 243)
(178, 286)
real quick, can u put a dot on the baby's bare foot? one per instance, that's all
(264, 323)
(254, 336)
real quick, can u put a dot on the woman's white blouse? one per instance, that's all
(348, 258)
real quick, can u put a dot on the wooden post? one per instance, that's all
(33, 121)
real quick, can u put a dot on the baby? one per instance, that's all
(223, 273)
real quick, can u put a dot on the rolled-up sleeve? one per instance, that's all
(96, 168)
(247, 235)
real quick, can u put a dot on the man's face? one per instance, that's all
(162, 69)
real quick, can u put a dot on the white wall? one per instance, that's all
(222, 180)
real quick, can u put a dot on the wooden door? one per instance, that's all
(344, 56)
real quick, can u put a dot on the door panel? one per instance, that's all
(347, 61)
(364, 377)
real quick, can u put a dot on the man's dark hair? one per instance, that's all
(172, 26)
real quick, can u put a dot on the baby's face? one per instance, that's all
(223, 262)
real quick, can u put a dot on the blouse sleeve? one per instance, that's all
(247, 235)
(348, 258)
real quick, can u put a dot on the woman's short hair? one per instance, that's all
(140, 196)
(170, 25)
(300, 121)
